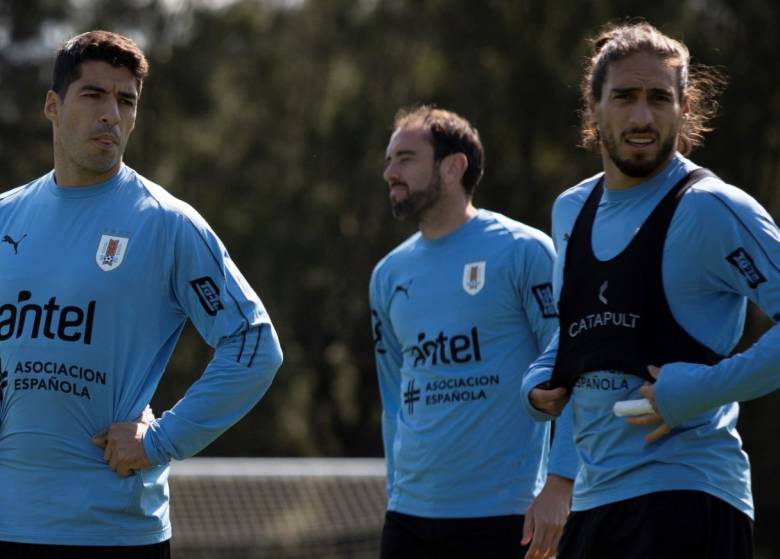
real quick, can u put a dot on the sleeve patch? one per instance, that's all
(544, 297)
(744, 264)
(208, 294)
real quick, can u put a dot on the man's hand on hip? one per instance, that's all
(123, 447)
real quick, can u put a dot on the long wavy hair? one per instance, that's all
(700, 85)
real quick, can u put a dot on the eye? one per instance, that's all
(127, 102)
(661, 98)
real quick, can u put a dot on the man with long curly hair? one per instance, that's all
(656, 259)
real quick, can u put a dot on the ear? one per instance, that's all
(685, 106)
(51, 106)
(454, 166)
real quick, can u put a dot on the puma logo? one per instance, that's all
(602, 292)
(15, 244)
(403, 289)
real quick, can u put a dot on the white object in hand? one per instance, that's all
(632, 407)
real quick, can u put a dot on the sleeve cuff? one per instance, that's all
(668, 388)
(153, 453)
(530, 382)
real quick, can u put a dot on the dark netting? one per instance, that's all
(279, 509)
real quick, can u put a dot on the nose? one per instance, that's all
(110, 111)
(391, 172)
(641, 115)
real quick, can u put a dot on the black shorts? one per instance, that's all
(666, 524)
(415, 537)
(12, 550)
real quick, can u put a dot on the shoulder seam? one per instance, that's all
(187, 218)
(15, 191)
(745, 227)
(148, 191)
(216, 261)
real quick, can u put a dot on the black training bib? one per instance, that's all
(614, 315)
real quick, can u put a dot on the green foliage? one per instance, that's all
(272, 118)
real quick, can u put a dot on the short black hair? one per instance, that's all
(116, 49)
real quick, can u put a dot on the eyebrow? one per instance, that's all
(655, 90)
(97, 89)
(401, 153)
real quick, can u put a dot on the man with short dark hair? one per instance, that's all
(101, 269)
(656, 258)
(460, 309)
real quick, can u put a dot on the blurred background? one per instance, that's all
(271, 118)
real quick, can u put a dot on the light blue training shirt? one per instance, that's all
(722, 248)
(96, 284)
(457, 320)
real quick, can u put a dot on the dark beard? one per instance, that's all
(418, 202)
(638, 168)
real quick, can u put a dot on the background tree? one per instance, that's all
(272, 118)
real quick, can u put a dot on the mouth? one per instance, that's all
(398, 189)
(106, 140)
(640, 141)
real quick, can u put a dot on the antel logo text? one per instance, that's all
(68, 323)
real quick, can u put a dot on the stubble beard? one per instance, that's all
(97, 164)
(635, 167)
(94, 163)
(418, 202)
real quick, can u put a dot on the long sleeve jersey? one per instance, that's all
(721, 249)
(96, 284)
(457, 320)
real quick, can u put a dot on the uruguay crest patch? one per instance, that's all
(474, 277)
(111, 252)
